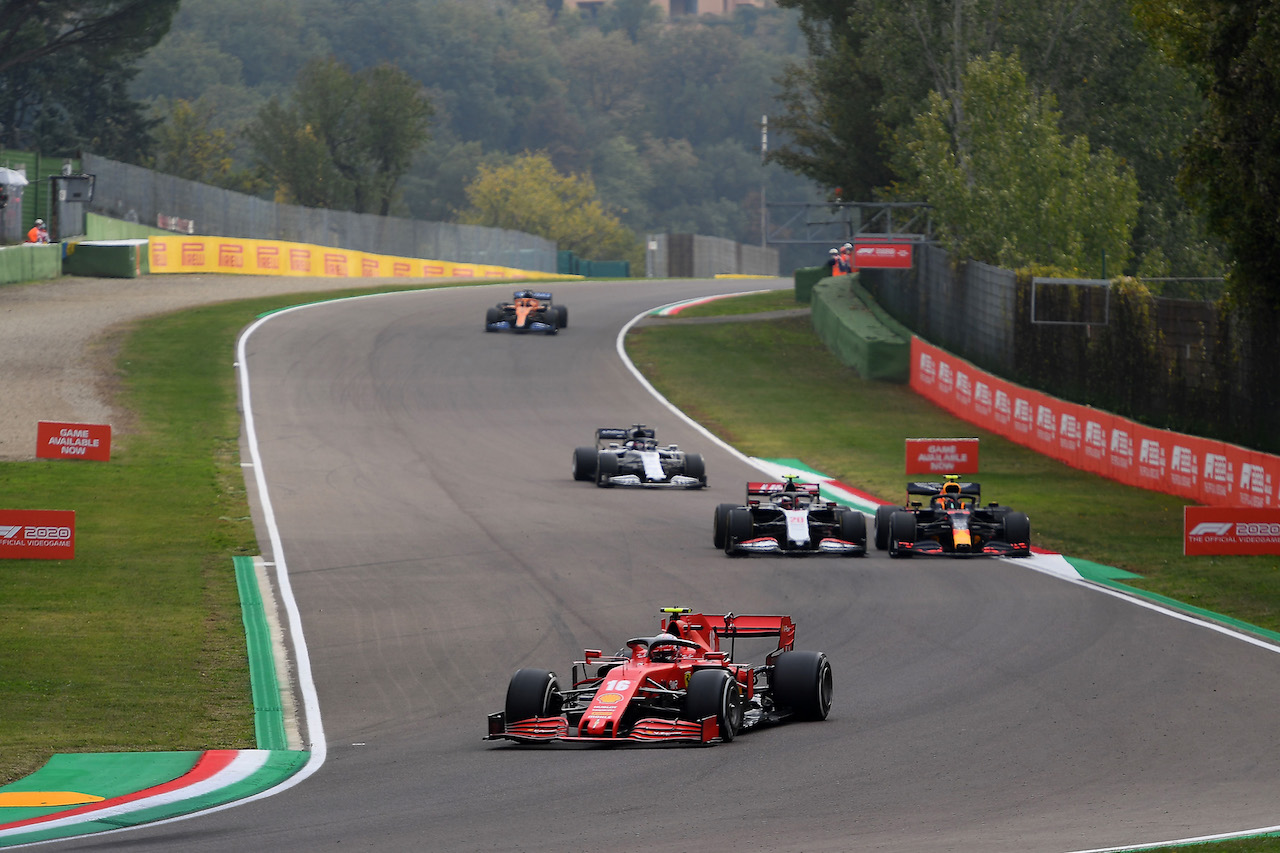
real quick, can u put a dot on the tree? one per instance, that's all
(529, 195)
(65, 68)
(345, 140)
(1006, 187)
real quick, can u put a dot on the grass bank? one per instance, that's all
(137, 643)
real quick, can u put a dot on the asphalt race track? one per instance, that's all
(419, 472)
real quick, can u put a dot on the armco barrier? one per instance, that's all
(1207, 471)
(860, 334)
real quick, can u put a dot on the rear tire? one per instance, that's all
(714, 693)
(606, 467)
(584, 463)
(739, 527)
(533, 693)
(853, 528)
(802, 684)
(883, 513)
(902, 528)
(721, 528)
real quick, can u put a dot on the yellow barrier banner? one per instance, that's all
(234, 255)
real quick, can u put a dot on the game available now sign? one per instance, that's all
(37, 534)
(942, 455)
(73, 441)
(1230, 530)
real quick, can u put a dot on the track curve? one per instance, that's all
(419, 472)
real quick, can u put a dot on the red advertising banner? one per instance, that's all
(73, 441)
(942, 455)
(1200, 469)
(1230, 530)
(882, 256)
(37, 534)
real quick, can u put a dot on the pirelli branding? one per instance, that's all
(1230, 530)
(37, 534)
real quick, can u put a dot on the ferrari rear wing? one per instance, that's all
(734, 626)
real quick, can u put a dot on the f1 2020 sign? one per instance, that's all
(37, 534)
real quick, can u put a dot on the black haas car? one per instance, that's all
(789, 518)
(949, 519)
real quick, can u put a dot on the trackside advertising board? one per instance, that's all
(37, 534)
(231, 255)
(868, 256)
(942, 455)
(1230, 530)
(73, 441)
(1199, 469)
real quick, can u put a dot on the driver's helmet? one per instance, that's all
(786, 501)
(660, 653)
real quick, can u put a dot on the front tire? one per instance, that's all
(853, 528)
(584, 463)
(493, 315)
(606, 467)
(562, 316)
(695, 467)
(533, 693)
(721, 529)
(802, 684)
(1017, 529)
(714, 693)
(902, 528)
(739, 527)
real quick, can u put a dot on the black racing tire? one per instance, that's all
(739, 526)
(1017, 529)
(606, 467)
(721, 528)
(584, 463)
(552, 319)
(715, 693)
(695, 467)
(533, 693)
(801, 684)
(493, 315)
(853, 528)
(883, 513)
(562, 316)
(902, 528)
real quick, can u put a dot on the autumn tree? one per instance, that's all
(528, 194)
(345, 139)
(1007, 187)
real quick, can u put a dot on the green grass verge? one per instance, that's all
(137, 643)
(770, 300)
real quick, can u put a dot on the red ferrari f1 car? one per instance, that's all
(678, 686)
(954, 523)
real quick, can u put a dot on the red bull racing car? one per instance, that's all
(631, 456)
(528, 311)
(789, 518)
(681, 685)
(949, 519)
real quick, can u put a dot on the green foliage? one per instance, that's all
(345, 140)
(65, 71)
(874, 64)
(530, 195)
(1006, 187)
(508, 76)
